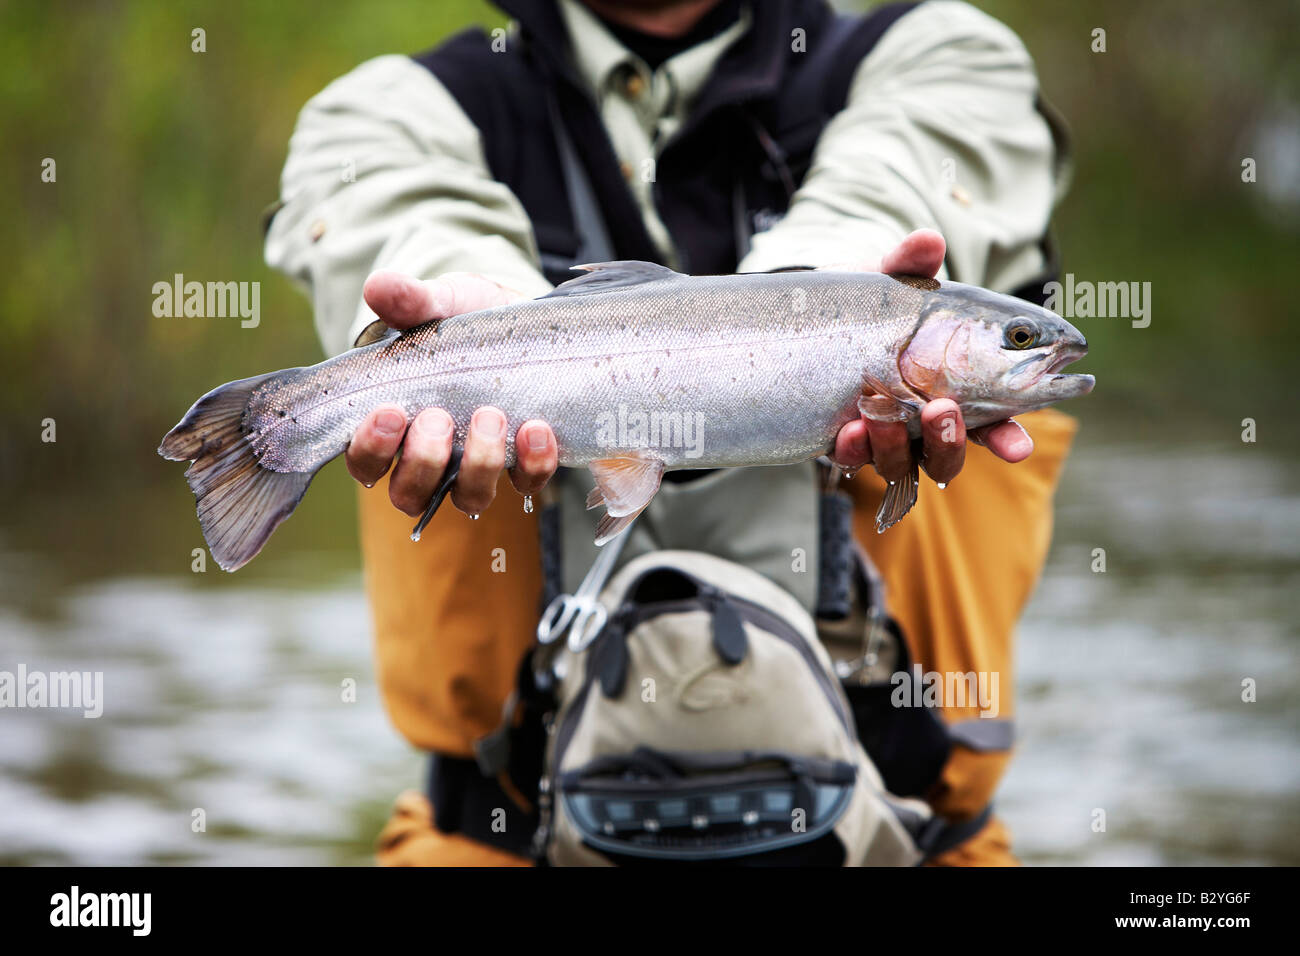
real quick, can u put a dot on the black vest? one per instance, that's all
(732, 168)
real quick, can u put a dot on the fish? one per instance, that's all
(623, 362)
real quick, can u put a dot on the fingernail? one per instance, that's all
(1023, 442)
(433, 424)
(537, 438)
(389, 422)
(490, 424)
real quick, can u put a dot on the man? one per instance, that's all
(688, 132)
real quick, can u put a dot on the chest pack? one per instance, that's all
(705, 723)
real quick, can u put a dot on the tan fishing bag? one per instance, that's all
(705, 724)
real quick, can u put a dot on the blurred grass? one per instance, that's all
(166, 159)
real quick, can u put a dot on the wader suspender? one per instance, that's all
(594, 244)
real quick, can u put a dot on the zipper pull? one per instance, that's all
(729, 638)
(610, 653)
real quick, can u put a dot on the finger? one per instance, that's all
(943, 436)
(890, 449)
(484, 457)
(852, 445)
(400, 300)
(537, 456)
(1008, 440)
(919, 254)
(403, 301)
(375, 442)
(424, 458)
(459, 292)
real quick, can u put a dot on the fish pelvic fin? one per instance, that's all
(624, 485)
(239, 502)
(899, 498)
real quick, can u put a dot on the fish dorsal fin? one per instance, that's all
(376, 331)
(624, 486)
(612, 276)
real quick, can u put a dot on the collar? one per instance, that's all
(750, 68)
(601, 59)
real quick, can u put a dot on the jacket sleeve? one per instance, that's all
(940, 129)
(386, 171)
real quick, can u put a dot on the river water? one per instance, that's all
(227, 703)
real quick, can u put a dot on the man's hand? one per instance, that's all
(402, 302)
(885, 444)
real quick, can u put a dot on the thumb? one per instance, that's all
(403, 301)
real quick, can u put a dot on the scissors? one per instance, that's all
(581, 613)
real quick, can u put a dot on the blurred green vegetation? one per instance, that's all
(167, 157)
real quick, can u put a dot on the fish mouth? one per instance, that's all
(1047, 383)
(1061, 385)
(1067, 357)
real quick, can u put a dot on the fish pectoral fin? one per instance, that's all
(899, 497)
(624, 486)
(376, 331)
(880, 405)
(609, 276)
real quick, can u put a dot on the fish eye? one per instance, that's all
(1021, 336)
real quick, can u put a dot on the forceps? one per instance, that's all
(581, 613)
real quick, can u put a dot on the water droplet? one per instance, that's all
(893, 482)
(849, 474)
(528, 504)
(943, 485)
(415, 536)
(369, 484)
(473, 517)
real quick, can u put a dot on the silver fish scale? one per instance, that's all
(730, 370)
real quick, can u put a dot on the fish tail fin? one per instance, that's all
(239, 502)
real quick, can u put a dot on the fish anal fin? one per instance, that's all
(624, 485)
(899, 498)
(610, 527)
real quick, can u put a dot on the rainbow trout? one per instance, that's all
(639, 370)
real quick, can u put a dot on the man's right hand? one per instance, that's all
(403, 302)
